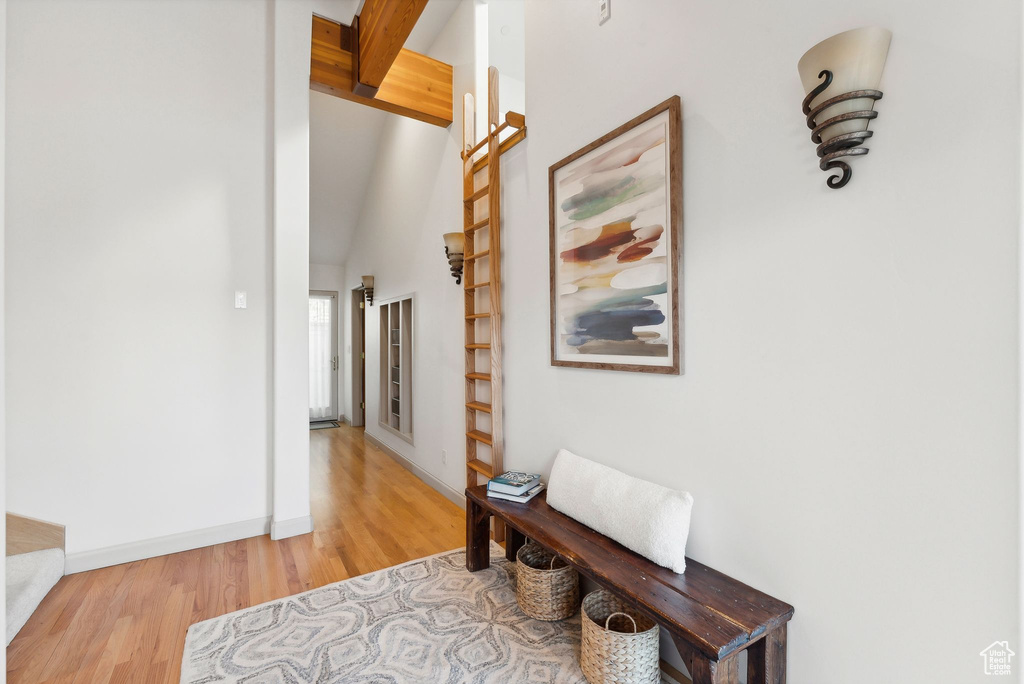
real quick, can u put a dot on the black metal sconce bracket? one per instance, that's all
(455, 263)
(846, 144)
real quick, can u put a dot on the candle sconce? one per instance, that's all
(368, 289)
(455, 250)
(853, 63)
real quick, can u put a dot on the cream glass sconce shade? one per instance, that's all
(841, 76)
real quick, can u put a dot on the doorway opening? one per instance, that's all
(323, 357)
(358, 309)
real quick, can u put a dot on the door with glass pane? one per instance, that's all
(323, 355)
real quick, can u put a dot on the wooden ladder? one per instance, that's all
(482, 228)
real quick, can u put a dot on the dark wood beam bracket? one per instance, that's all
(358, 87)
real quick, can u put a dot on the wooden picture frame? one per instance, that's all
(631, 174)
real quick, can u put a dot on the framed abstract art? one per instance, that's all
(616, 230)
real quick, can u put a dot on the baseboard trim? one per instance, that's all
(457, 498)
(282, 529)
(161, 546)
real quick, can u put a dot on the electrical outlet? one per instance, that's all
(606, 10)
(240, 299)
(444, 456)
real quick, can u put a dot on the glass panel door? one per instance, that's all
(323, 357)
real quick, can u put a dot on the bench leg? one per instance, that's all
(766, 659)
(514, 540)
(478, 537)
(704, 671)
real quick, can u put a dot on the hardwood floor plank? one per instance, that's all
(91, 622)
(68, 590)
(128, 623)
(101, 668)
(111, 620)
(170, 620)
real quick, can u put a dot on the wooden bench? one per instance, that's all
(712, 618)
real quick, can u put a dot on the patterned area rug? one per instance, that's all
(429, 620)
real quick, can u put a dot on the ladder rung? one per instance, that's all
(474, 149)
(506, 145)
(481, 467)
(478, 376)
(479, 406)
(478, 346)
(511, 119)
(482, 437)
(478, 285)
(477, 195)
(478, 255)
(475, 316)
(478, 225)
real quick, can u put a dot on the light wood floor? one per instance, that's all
(127, 623)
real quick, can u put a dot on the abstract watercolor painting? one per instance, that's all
(616, 226)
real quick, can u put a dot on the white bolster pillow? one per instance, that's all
(647, 518)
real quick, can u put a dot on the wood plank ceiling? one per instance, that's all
(366, 63)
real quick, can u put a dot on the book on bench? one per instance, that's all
(517, 498)
(513, 482)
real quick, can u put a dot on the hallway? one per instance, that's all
(127, 623)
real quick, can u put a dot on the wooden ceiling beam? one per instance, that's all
(415, 85)
(384, 26)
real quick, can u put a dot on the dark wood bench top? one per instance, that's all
(714, 613)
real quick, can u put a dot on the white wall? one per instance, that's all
(343, 145)
(332, 278)
(1020, 368)
(847, 422)
(139, 199)
(506, 50)
(3, 375)
(291, 49)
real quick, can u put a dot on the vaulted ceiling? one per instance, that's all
(344, 138)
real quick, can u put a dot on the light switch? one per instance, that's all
(606, 10)
(239, 299)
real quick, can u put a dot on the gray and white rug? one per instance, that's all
(429, 620)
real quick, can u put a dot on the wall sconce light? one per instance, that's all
(455, 250)
(368, 289)
(849, 64)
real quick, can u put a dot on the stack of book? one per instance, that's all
(514, 486)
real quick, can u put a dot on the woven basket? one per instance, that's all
(547, 588)
(620, 645)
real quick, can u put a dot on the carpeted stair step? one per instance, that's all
(30, 576)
